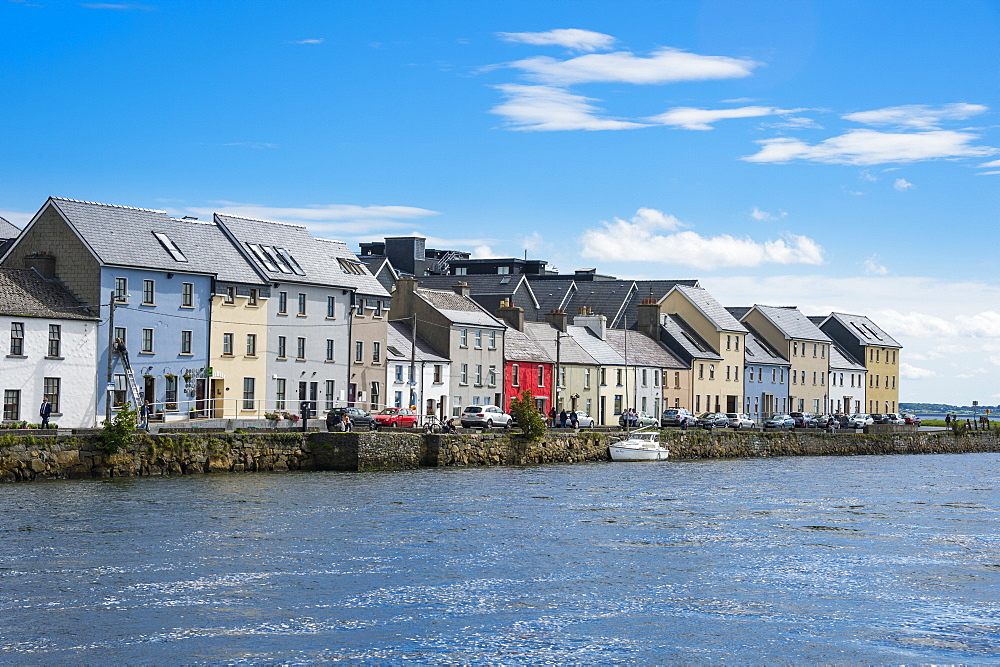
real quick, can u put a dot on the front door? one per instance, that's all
(149, 389)
(313, 393)
(218, 398)
(199, 395)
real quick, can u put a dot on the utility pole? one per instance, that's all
(413, 364)
(111, 345)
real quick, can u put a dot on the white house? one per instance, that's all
(51, 351)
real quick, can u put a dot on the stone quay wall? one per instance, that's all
(31, 457)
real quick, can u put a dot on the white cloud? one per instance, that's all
(665, 65)
(988, 173)
(866, 175)
(17, 218)
(533, 242)
(867, 147)
(911, 372)
(985, 324)
(117, 6)
(545, 108)
(570, 38)
(764, 216)
(483, 252)
(256, 145)
(637, 240)
(873, 268)
(902, 184)
(994, 163)
(916, 116)
(691, 118)
(308, 41)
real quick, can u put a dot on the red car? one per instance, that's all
(396, 418)
(912, 419)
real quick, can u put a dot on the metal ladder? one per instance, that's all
(129, 375)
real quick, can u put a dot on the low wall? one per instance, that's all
(29, 457)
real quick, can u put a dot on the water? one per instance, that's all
(892, 559)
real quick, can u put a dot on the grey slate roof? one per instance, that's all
(400, 336)
(866, 331)
(491, 284)
(123, 236)
(553, 294)
(316, 257)
(685, 341)
(758, 351)
(7, 230)
(570, 352)
(710, 308)
(458, 309)
(24, 293)
(842, 361)
(792, 323)
(642, 350)
(600, 350)
(517, 346)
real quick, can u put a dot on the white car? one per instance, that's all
(488, 416)
(584, 420)
(894, 418)
(739, 420)
(860, 421)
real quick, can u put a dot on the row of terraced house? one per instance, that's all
(238, 318)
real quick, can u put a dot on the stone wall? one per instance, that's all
(29, 457)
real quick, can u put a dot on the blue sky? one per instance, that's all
(831, 155)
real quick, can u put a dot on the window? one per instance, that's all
(774, 375)
(437, 373)
(398, 399)
(822, 377)
(17, 338)
(815, 349)
(351, 266)
(456, 406)
(329, 349)
(227, 344)
(282, 346)
(803, 377)
(736, 373)
(795, 349)
(697, 402)
(55, 339)
(728, 372)
(814, 377)
(147, 341)
(463, 337)
(262, 257)
(12, 405)
(186, 341)
(121, 289)
(562, 376)
(618, 404)
(701, 371)
(302, 304)
(248, 393)
(795, 377)
(493, 340)
(729, 343)
(279, 394)
(515, 375)
(376, 352)
(251, 345)
(359, 350)
(711, 371)
(169, 246)
(737, 342)
(51, 392)
(331, 394)
(170, 392)
(376, 396)
(822, 352)
(378, 308)
(618, 376)
(464, 377)
(656, 378)
(644, 384)
(147, 293)
(118, 395)
(479, 338)
(282, 303)
(252, 299)
(300, 348)
(677, 379)
(187, 295)
(331, 307)
(604, 377)
(586, 379)
(491, 376)
(461, 271)
(479, 374)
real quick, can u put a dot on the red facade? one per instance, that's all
(521, 375)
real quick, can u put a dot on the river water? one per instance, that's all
(892, 559)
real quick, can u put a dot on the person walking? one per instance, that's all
(574, 421)
(562, 419)
(144, 415)
(552, 417)
(45, 411)
(345, 423)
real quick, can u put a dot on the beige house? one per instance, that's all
(237, 353)
(865, 341)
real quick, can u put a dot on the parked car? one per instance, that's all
(911, 419)
(878, 418)
(488, 416)
(780, 421)
(893, 418)
(359, 419)
(642, 421)
(396, 417)
(860, 421)
(739, 420)
(677, 417)
(804, 419)
(713, 420)
(584, 420)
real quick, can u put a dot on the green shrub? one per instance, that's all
(527, 416)
(119, 432)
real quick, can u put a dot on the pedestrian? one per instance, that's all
(552, 417)
(345, 422)
(144, 415)
(449, 426)
(947, 419)
(45, 411)
(574, 421)
(562, 419)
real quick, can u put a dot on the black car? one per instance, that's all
(677, 417)
(359, 419)
(712, 420)
(804, 419)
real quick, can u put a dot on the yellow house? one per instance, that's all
(238, 352)
(874, 348)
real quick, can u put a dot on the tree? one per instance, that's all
(119, 431)
(526, 415)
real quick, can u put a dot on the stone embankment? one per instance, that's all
(30, 457)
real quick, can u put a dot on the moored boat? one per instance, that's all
(639, 446)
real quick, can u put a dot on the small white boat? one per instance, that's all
(640, 446)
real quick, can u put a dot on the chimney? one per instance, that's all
(43, 263)
(598, 324)
(403, 300)
(511, 314)
(462, 289)
(649, 318)
(559, 318)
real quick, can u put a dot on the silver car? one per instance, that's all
(488, 416)
(859, 421)
(739, 420)
(584, 420)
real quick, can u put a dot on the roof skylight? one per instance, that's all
(170, 247)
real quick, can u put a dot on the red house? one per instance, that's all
(526, 366)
